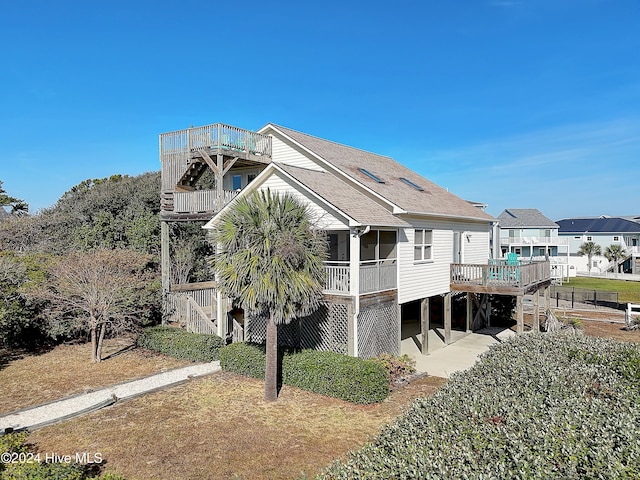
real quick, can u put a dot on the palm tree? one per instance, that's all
(270, 260)
(615, 253)
(590, 249)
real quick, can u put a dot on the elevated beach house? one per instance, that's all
(402, 250)
(528, 233)
(604, 231)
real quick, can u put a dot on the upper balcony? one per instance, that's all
(534, 241)
(186, 155)
(500, 277)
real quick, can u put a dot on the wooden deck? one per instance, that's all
(187, 154)
(500, 278)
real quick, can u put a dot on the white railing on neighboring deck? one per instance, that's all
(378, 275)
(534, 241)
(200, 200)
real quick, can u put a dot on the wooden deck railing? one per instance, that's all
(184, 309)
(227, 137)
(500, 274)
(200, 200)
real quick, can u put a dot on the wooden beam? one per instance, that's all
(519, 315)
(424, 325)
(447, 318)
(165, 265)
(536, 311)
(209, 161)
(189, 287)
(469, 310)
(228, 164)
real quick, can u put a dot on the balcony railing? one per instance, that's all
(337, 279)
(200, 200)
(375, 276)
(534, 241)
(500, 274)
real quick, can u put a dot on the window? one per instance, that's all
(251, 177)
(616, 239)
(589, 239)
(371, 175)
(411, 184)
(422, 249)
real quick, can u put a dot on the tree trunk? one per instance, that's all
(271, 370)
(102, 328)
(94, 340)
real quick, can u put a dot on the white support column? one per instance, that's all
(354, 284)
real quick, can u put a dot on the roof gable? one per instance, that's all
(524, 217)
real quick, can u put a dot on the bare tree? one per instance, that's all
(97, 291)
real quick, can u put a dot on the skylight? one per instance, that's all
(411, 184)
(371, 175)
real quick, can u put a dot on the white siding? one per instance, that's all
(326, 219)
(424, 279)
(284, 153)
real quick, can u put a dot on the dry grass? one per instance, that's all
(219, 427)
(67, 369)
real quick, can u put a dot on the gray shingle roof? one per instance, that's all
(344, 197)
(525, 217)
(433, 200)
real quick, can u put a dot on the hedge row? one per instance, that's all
(539, 406)
(179, 343)
(327, 373)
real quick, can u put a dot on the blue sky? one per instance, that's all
(517, 104)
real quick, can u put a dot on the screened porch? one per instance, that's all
(375, 267)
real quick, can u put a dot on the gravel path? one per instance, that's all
(59, 410)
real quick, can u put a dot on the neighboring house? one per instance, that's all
(529, 234)
(603, 231)
(400, 247)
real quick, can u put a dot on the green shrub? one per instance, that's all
(181, 344)
(246, 359)
(326, 373)
(336, 375)
(537, 406)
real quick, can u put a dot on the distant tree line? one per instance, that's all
(88, 267)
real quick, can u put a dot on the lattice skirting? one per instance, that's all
(325, 329)
(378, 330)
